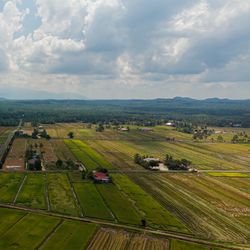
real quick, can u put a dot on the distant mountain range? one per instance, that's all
(44, 95)
(29, 94)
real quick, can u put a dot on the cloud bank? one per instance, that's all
(125, 48)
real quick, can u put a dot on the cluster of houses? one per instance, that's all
(157, 164)
(34, 162)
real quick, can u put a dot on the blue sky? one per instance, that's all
(124, 48)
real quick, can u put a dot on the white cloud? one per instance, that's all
(127, 45)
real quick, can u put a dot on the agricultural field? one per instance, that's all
(206, 205)
(4, 132)
(60, 194)
(120, 205)
(155, 215)
(16, 156)
(9, 185)
(32, 193)
(139, 242)
(228, 133)
(61, 150)
(202, 155)
(88, 156)
(182, 245)
(229, 174)
(109, 239)
(92, 202)
(28, 232)
(70, 235)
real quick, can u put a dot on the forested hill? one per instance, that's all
(220, 112)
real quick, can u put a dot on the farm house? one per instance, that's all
(100, 177)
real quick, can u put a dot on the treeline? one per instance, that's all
(212, 112)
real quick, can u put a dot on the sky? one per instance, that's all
(123, 49)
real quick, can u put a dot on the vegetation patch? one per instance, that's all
(33, 192)
(91, 201)
(9, 185)
(228, 174)
(152, 211)
(8, 218)
(183, 245)
(60, 194)
(70, 235)
(28, 232)
(122, 208)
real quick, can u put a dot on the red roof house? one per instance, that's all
(100, 177)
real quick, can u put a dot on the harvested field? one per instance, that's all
(91, 201)
(242, 184)
(203, 156)
(141, 242)
(16, 156)
(60, 194)
(9, 185)
(70, 235)
(61, 150)
(109, 239)
(209, 208)
(33, 192)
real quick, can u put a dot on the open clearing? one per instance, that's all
(16, 156)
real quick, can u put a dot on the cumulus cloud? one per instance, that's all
(138, 48)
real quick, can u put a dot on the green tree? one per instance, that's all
(71, 135)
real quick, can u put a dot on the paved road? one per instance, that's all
(169, 234)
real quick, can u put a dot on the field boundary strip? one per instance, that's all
(75, 196)
(107, 206)
(47, 192)
(50, 234)
(20, 188)
(175, 235)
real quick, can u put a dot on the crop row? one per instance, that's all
(190, 201)
(89, 157)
